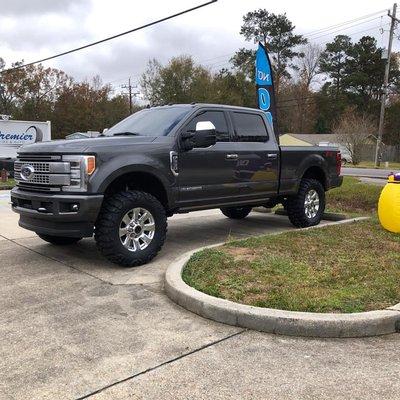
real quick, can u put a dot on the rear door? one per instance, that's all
(206, 176)
(257, 166)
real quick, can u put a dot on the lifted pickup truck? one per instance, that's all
(165, 160)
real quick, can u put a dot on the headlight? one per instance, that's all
(81, 169)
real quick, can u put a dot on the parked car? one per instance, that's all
(161, 161)
(345, 155)
(83, 135)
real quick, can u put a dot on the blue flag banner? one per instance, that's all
(265, 85)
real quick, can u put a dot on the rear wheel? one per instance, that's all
(307, 207)
(236, 212)
(59, 240)
(131, 228)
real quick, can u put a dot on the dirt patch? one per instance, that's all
(241, 253)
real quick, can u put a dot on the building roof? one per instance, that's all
(289, 140)
(316, 138)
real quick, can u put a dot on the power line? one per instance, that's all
(309, 103)
(214, 58)
(111, 37)
(227, 60)
(226, 63)
(356, 33)
(317, 31)
(343, 29)
(296, 99)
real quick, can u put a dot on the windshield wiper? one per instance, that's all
(126, 133)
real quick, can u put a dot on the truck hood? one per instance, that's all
(92, 145)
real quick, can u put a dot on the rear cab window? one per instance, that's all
(249, 127)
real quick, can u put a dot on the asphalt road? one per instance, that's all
(74, 326)
(367, 172)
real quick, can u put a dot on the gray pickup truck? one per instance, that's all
(160, 161)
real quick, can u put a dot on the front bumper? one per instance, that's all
(51, 214)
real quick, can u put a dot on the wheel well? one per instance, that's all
(316, 173)
(143, 181)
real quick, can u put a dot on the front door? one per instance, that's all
(207, 175)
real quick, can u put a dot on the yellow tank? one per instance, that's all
(389, 204)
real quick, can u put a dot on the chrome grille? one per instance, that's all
(48, 173)
(39, 166)
(38, 157)
(40, 179)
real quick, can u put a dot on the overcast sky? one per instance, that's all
(33, 29)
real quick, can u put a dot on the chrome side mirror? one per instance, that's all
(205, 126)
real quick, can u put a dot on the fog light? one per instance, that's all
(74, 207)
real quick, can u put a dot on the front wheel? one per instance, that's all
(59, 240)
(236, 212)
(307, 207)
(131, 228)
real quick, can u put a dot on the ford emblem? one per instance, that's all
(27, 172)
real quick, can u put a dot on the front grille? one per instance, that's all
(41, 172)
(40, 179)
(38, 166)
(38, 157)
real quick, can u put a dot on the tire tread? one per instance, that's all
(295, 204)
(112, 207)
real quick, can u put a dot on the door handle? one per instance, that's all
(231, 156)
(272, 155)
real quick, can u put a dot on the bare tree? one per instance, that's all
(303, 105)
(353, 131)
(309, 64)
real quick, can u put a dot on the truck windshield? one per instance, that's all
(150, 122)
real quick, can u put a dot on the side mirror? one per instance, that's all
(204, 136)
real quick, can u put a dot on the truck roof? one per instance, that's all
(209, 105)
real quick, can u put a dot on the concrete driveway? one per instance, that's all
(74, 326)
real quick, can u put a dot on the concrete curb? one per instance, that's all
(326, 216)
(292, 323)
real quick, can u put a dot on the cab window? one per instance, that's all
(249, 127)
(219, 121)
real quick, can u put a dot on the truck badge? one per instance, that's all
(27, 172)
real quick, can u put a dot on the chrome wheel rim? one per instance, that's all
(311, 204)
(137, 229)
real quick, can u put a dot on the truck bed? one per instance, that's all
(295, 160)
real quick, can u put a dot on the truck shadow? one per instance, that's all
(184, 234)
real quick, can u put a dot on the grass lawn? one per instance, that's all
(353, 197)
(371, 164)
(8, 183)
(341, 268)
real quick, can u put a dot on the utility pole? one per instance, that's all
(132, 93)
(129, 87)
(394, 20)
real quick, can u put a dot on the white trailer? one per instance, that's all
(14, 134)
